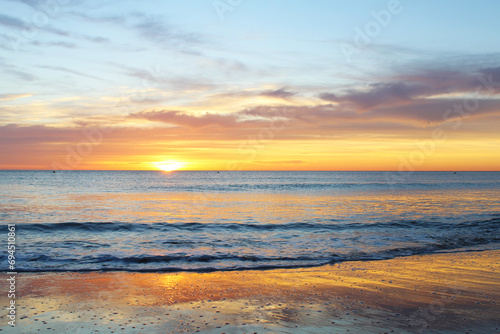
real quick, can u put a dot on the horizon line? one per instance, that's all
(249, 170)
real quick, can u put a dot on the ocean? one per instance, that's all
(235, 220)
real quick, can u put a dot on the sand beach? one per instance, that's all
(440, 293)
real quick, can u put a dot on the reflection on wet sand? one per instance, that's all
(453, 292)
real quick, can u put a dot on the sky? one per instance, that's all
(396, 85)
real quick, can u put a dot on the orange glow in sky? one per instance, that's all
(159, 86)
(168, 166)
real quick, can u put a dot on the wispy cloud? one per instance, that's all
(61, 44)
(11, 22)
(279, 93)
(24, 76)
(190, 121)
(148, 26)
(155, 29)
(68, 70)
(18, 25)
(8, 97)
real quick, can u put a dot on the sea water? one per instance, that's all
(233, 220)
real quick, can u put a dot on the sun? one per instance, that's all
(168, 166)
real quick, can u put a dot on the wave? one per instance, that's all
(488, 225)
(193, 246)
(207, 263)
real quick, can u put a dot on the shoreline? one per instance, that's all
(451, 292)
(240, 269)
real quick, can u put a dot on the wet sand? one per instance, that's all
(443, 293)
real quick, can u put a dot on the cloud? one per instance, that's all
(330, 97)
(377, 94)
(402, 105)
(151, 27)
(13, 134)
(21, 74)
(185, 120)
(19, 25)
(419, 113)
(30, 3)
(492, 74)
(8, 97)
(436, 111)
(145, 100)
(405, 89)
(97, 39)
(67, 70)
(157, 30)
(61, 44)
(11, 22)
(279, 93)
(155, 78)
(409, 104)
(227, 65)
